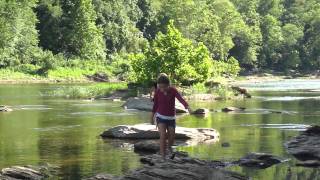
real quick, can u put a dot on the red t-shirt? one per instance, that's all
(165, 104)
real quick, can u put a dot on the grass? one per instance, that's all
(88, 91)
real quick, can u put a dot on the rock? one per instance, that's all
(150, 146)
(259, 160)
(309, 163)
(305, 146)
(181, 167)
(201, 97)
(5, 109)
(27, 172)
(230, 109)
(148, 131)
(201, 111)
(145, 104)
(242, 91)
(103, 177)
(225, 144)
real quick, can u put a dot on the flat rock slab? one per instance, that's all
(181, 167)
(260, 160)
(5, 109)
(232, 109)
(148, 131)
(27, 172)
(145, 104)
(306, 146)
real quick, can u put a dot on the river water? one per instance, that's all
(65, 132)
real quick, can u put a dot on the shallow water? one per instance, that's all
(65, 132)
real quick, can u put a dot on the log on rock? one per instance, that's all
(27, 172)
(148, 131)
(232, 109)
(260, 160)
(181, 167)
(306, 145)
(242, 91)
(145, 104)
(5, 109)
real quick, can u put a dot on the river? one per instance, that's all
(65, 132)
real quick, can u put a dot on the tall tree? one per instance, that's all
(18, 35)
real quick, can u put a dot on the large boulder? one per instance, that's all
(259, 160)
(181, 167)
(148, 131)
(27, 172)
(306, 146)
(145, 104)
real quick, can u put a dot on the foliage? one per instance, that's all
(90, 91)
(39, 36)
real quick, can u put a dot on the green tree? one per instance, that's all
(175, 55)
(18, 34)
(85, 38)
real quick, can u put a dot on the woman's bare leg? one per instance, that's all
(171, 137)
(163, 138)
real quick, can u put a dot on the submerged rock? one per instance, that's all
(230, 109)
(181, 167)
(306, 146)
(145, 104)
(27, 172)
(259, 160)
(148, 131)
(5, 109)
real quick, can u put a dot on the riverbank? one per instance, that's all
(269, 77)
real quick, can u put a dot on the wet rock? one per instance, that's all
(309, 163)
(259, 160)
(150, 146)
(5, 109)
(241, 91)
(104, 177)
(201, 111)
(201, 97)
(145, 104)
(225, 144)
(305, 146)
(181, 167)
(147, 131)
(231, 109)
(27, 172)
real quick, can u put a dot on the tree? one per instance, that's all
(118, 20)
(175, 55)
(18, 35)
(85, 38)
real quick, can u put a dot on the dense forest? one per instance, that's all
(192, 40)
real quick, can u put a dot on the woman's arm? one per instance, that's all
(180, 98)
(155, 107)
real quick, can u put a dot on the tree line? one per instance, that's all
(128, 34)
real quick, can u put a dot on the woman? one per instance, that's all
(164, 112)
